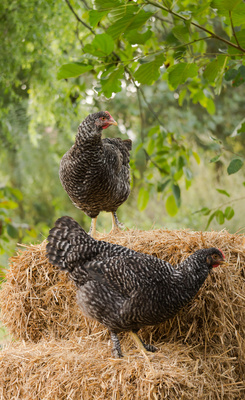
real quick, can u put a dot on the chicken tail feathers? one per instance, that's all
(69, 245)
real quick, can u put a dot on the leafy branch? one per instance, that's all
(212, 34)
(78, 18)
(234, 33)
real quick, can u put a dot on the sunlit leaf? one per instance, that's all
(149, 72)
(223, 192)
(95, 17)
(112, 83)
(215, 68)
(220, 218)
(225, 5)
(179, 73)
(143, 198)
(229, 213)
(210, 220)
(8, 204)
(204, 211)
(106, 4)
(128, 23)
(241, 129)
(16, 193)
(73, 70)
(101, 46)
(234, 166)
(196, 156)
(171, 206)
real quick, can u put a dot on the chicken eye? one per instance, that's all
(103, 118)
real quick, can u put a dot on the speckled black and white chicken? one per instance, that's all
(122, 289)
(94, 171)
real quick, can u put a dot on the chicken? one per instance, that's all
(95, 171)
(122, 289)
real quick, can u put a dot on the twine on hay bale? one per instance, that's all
(202, 350)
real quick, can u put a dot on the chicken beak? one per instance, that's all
(223, 262)
(112, 122)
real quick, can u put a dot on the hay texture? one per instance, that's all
(66, 356)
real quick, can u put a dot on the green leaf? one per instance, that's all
(149, 72)
(171, 206)
(188, 173)
(143, 198)
(106, 4)
(215, 159)
(241, 129)
(220, 218)
(182, 95)
(238, 15)
(196, 156)
(215, 68)
(223, 192)
(231, 74)
(176, 193)
(181, 33)
(210, 220)
(8, 204)
(73, 70)
(134, 37)
(179, 73)
(95, 16)
(241, 40)
(101, 46)
(234, 166)
(161, 186)
(225, 5)
(204, 211)
(112, 82)
(128, 23)
(229, 213)
(16, 193)
(239, 79)
(12, 231)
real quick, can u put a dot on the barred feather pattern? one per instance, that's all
(95, 171)
(119, 287)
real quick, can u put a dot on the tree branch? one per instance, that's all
(214, 35)
(86, 5)
(78, 18)
(234, 32)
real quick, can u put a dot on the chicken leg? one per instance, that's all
(141, 345)
(92, 230)
(116, 225)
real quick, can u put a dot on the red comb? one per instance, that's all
(222, 253)
(107, 112)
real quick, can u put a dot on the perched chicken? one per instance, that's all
(95, 171)
(121, 288)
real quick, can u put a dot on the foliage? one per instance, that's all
(172, 74)
(193, 57)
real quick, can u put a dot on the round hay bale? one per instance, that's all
(75, 370)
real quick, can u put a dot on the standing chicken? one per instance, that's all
(121, 288)
(95, 171)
